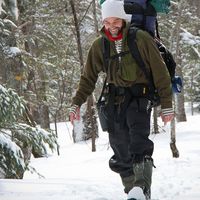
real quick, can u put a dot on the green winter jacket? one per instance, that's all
(125, 72)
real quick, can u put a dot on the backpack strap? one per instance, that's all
(106, 53)
(157, 31)
(106, 57)
(137, 56)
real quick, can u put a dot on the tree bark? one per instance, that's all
(89, 118)
(78, 35)
(191, 89)
(11, 65)
(180, 115)
(76, 132)
(175, 152)
(95, 17)
(92, 128)
(155, 120)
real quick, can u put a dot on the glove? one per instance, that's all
(167, 115)
(74, 113)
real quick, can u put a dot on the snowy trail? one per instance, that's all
(56, 189)
(79, 174)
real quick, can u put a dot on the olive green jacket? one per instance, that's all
(125, 72)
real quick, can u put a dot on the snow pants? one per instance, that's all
(131, 146)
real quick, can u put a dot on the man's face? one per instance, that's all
(113, 24)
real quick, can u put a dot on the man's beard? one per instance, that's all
(116, 33)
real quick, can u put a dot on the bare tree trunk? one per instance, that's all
(92, 122)
(41, 96)
(180, 111)
(76, 132)
(11, 65)
(91, 100)
(95, 17)
(175, 152)
(56, 130)
(191, 89)
(155, 120)
(181, 116)
(78, 35)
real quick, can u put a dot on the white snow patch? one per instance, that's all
(1, 3)
(15, 51)
(190, 39)
(12, 24)
(79, 174)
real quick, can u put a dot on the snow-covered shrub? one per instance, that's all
(36, 137)
(12, 163)
(11, 106)
(16, 138)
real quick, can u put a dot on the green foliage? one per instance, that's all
(12, 164)
(11, 106)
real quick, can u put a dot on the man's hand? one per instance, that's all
(74, 113)
(167, 115)
(167, 118)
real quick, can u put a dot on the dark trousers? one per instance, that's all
(130, 142)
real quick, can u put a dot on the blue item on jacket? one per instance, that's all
(177, 84)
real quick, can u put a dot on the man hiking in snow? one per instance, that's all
(130, 109)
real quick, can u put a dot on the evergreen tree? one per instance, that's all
(16, 138)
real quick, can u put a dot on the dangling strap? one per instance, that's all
(102, 91)
(106, 55)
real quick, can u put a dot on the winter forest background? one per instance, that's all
(43, 46)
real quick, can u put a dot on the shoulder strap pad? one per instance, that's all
(135, 51)
(106, 53)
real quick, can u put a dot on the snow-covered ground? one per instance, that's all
(79, 174)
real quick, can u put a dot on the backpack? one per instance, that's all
(144, 16)
(144, 13)
(166, 55)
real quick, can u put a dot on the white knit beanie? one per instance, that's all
(113, 8)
